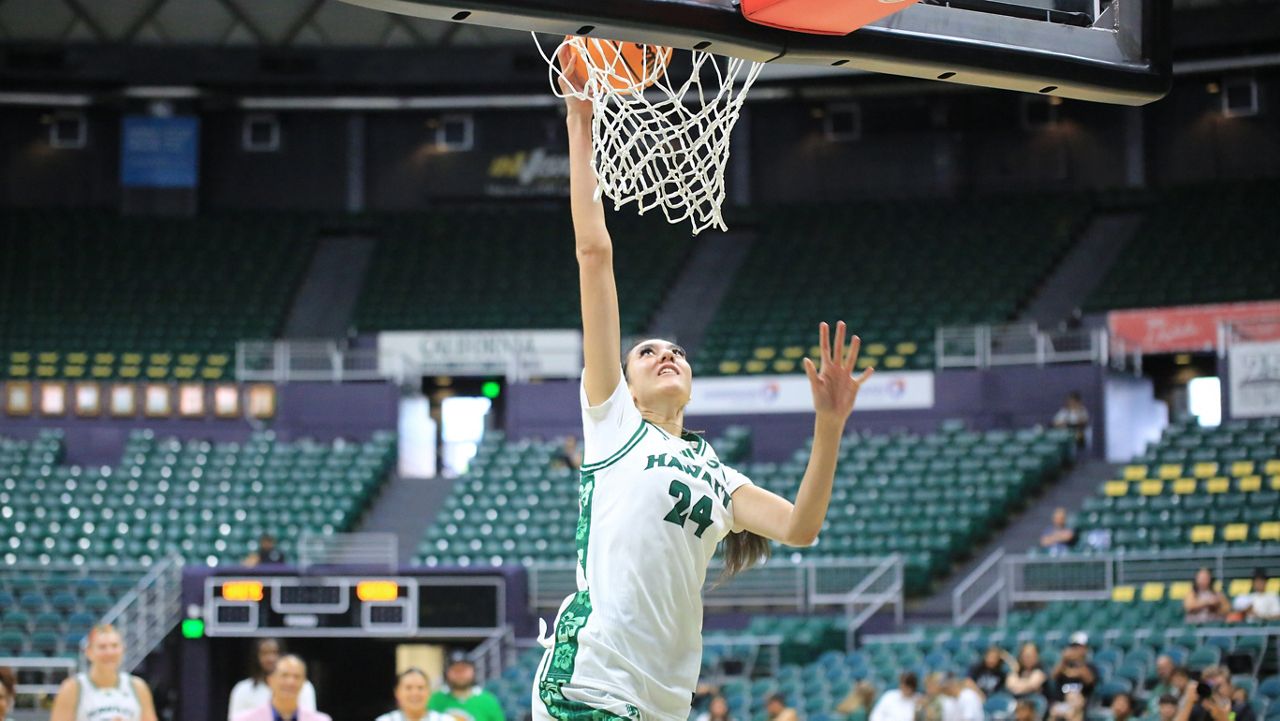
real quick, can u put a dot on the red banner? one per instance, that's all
(1184, 328)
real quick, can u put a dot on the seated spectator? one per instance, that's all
(1164, 677)
(1074, 674)
(8, 691)
(969, 698)
(266, 553)
(857, 705)
(286, 682)
(569, 456)
(1166, 708)
(1058, 538)
(1258, 605)
(1179, 682)
(937, 705)
(1213, 699)
(777, 709)
(1069, 708)
(1075, 416)
(1122, 707)
(990, 672)
(1204, 604)
(717, 710)
(1026, 676)
(1026, 711)
(898, 704)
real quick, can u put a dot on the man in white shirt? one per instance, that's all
(1258, 604)
(899, 704)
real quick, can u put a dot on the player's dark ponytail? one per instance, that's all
(742, 551)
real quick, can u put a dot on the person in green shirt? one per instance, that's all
(463, 699)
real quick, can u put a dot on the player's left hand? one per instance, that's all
(835, 388)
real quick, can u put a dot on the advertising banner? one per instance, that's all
(885, 391)
(1255, 379)
(1184, 328)
(516, 354)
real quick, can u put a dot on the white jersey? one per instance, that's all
(115, 703)
(652, 509)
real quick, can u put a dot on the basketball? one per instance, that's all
(627, 66)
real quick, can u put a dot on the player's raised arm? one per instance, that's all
(601, 329)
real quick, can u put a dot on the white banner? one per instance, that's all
(1255, 379)
(886, 391)
(516, 354)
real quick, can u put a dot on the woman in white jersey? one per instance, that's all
(104, 693)
(655, 502)
(412, 690)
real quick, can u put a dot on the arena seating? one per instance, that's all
(894, 271)
(929, 497)
(92, 295)
(1196, 488)
(1126, 636)
(507, 267)
(49, 610)
(207, 502)
(1165, 263)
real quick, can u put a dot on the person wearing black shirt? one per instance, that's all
(266, 553)
(989, 673)
(1074, 673)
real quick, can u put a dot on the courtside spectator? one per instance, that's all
(287, 680)
(464, 696)
(254, 691)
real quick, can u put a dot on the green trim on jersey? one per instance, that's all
(564, 653)
(626, 448)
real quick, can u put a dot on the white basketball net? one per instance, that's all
(666, 146)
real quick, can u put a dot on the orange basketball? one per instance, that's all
(628, 65)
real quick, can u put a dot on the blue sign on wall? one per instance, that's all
(159, 152)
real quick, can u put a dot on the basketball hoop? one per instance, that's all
(657, 141)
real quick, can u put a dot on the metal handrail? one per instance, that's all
(961, 615)
(985, 346)
(146, 614)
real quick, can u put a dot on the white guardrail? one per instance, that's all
(987, 346)
(861, 586)
(1008, 580)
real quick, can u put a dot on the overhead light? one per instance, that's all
(165, 92)
(55, 100)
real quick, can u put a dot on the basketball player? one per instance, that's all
(412, 689)
(104, 693)
(655, 502)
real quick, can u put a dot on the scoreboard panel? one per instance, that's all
(336, 606)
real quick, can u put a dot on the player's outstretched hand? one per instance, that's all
(835, 388)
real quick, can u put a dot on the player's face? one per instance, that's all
(5, 701)
(411, 692)
(659, 369)
(106, 649)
